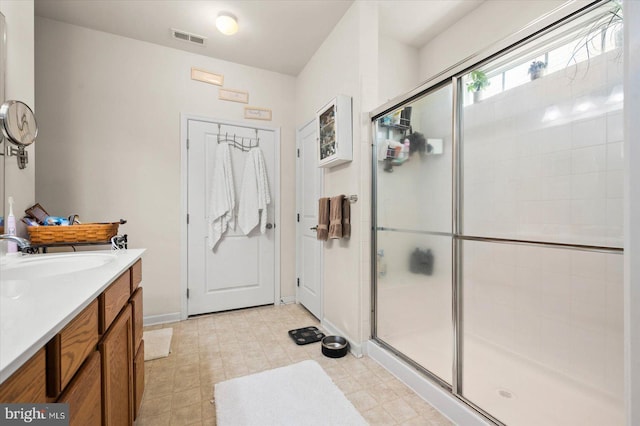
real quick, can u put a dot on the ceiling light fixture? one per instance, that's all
(226, 23)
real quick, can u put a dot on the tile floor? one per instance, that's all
(213, 348)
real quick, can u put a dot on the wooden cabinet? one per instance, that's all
(28, 384)
(84, 394)
(103, 387)
(117, 371)
(334, 132)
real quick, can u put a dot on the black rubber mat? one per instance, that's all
(306, 335)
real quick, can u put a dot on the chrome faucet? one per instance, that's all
(21, 242)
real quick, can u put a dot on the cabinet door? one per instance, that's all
(84, 394)
(327, 143)
(138, 382)
(117, 371)
(334, 132)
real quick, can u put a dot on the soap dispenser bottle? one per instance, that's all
(11, 228)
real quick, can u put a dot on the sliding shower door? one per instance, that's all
(541, 230)
(498, 234)
(414, 231)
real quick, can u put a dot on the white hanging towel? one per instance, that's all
(222, 201)
(254, 195)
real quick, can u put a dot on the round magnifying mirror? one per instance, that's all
(18, 123)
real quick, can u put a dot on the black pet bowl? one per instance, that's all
(335, 346)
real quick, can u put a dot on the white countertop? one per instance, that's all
(33, 308)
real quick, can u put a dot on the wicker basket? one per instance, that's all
(79, 233)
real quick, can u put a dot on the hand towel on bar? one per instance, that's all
(346, 218)
(323, 219)
(335, 217)
(254, 195)
(222, 200)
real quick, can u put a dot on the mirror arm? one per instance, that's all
(20, 153)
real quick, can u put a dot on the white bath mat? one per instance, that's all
(157, 343)
(299, 394)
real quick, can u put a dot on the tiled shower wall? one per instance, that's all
(543, 162)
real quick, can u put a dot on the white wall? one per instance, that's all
(110, 140)
(398, 68)
(346, 63)
(487, 24)
(19, 85)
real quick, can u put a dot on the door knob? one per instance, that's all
(315, 228)
(269, 225)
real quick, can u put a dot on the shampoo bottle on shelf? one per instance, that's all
(406, 148)
(11, 228)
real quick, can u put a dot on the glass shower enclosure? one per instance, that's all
(497, 237)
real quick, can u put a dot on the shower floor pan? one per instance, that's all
(512, 389)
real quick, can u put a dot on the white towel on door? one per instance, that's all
(222, 202)
(254, 196)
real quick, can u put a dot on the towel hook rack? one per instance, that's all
(242, 143)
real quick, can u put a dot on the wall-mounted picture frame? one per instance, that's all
(207, 76)
(255, 113)
(233, 95)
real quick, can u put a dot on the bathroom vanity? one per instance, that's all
(71, 332)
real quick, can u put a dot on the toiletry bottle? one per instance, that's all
(405, 149)
(11, 228)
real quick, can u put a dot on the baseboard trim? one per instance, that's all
(161, 319)
(355, 348)
(443, 401)
(287, 300)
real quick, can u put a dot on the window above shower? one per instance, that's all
(566, 52)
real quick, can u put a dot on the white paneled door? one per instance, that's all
(240, 272)
(309, 188)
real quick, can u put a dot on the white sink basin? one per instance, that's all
(31, 267)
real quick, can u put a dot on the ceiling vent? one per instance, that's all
(185, 36)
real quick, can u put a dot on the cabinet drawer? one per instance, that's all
(113, 299)
(136, 275)
(84, 394)
(138, 379)
(28, 384)
(136, 305)
(68, 349)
